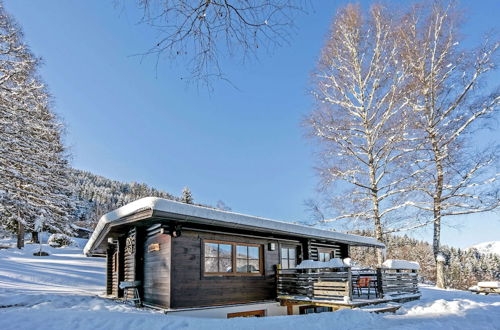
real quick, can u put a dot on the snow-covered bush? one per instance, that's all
(59, 240)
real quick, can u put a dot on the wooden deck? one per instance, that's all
(339, 288)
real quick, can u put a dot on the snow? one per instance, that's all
(401, 264)
(493, 284)
(488, 247)
(211, 215)
(332, 263)
(61, 292)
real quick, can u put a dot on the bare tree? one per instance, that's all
(204, 32)
(360, 121)
(449, 103)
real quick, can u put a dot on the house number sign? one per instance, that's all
(154, 247)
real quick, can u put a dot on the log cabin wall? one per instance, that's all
(110, 269)
(192, 288)
(336, 250)
(114, 274)
(156, 269)
(120, 266)
(130, 259)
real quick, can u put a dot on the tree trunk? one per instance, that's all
(20, 234)
(436, 239)
(34, 237)
(440, 274)
(376, 211)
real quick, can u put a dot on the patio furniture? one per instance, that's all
(367, 283)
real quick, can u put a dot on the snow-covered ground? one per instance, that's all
(61, 292)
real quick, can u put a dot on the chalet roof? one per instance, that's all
(205, 215)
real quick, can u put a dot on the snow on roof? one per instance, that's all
(223, 217)
(401, 264)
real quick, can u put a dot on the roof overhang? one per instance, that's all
(166, 210)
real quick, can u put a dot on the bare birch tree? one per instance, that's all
(203, 32)
(359, 120)
(449, 103)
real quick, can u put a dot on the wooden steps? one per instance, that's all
(389, 308)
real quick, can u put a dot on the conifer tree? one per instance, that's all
(34, 171)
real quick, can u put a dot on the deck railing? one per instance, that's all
(394, 282)
(322, 283)
(338, 283)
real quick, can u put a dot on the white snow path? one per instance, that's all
(60, 292)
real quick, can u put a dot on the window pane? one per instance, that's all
(210, 250)
(291, 253)
(253, 252)
(284, 253)
(253, 266)
(225, 265)
(327, 256)
(211, 265)
(242, 265)
(225, 251)
(284, 263)
(241, 251)
(291, 263)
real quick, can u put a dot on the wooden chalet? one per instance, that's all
(200, 261)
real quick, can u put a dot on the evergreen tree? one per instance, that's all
(33, 181)
(96, 195)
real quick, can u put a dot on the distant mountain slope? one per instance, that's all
(488, 247)
(96, 195)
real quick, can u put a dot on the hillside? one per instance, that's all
(96, 195)
(488, 247)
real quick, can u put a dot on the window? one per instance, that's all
(218, 258)
(288, 257)
(324, 256)
(258, 313)
(247, 259)
(229, 258)
(313, 309)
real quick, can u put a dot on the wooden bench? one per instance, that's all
(486, 288)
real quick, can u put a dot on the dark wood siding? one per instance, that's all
(156, 288)
(192, 288)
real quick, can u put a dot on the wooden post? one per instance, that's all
(349, 283)
(278, 271)
(380, 287)
(20, 234)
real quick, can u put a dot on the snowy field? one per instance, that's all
(61, 292)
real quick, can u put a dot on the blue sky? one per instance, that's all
(128, 121)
